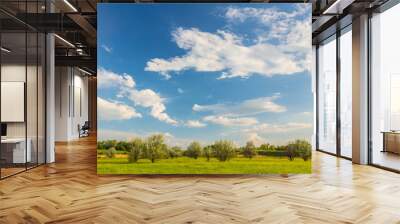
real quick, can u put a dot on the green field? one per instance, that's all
(185, 165)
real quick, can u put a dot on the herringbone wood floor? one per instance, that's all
(69, 191)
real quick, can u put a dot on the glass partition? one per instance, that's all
(385, 89)
(327, 96)
(13, 110)
(22, 88)
(346, 93)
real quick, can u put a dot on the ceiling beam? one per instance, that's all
(77, 61)
(84, 24)
(49, 22)
(337, 7)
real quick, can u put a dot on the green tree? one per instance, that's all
(154, 147)
(107, 144)
(249, 150)
(193, 150)
(207, 152)
(291, 151)
(224, 150)
(122, 146)
(299, 148)
(281, 148)
(303, 149)
(135, 149)
(172, 154)
(175, 152)
(267, 147)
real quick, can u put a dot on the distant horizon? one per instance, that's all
(230, 75)
(184, 147)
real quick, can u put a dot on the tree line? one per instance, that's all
(154, 148)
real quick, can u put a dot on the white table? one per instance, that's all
(19, 153)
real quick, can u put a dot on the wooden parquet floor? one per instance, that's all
(69, 191)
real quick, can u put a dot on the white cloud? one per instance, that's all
(275, 133)
(106, 48)
(278, 128)
(180, 90)
(195, 124)
(172, 140)
(107, 79)
(255, 138)
(291, 27)
(237, 114)
(109, 110)
(308, 113)
(127, 88)
(247, 107)
(224, 52)
(150, 99)
(231, 121)
(299, 37)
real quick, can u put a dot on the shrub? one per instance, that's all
(193, 150)
(249, 150)
(110, 153)
(272, 153)
(224, 150)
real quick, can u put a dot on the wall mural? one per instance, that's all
(204, 88)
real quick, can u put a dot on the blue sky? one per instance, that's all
(205, 72)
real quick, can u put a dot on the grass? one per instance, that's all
(185, 165)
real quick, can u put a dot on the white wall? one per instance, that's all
(17, 73)
(71, 87)
(62, 81)
(79, 115)
(33, 126)
(13, 72)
